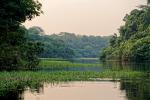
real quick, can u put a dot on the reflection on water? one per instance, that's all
(19, 94)
(79, 91)
(104, 90)
(136, 89)
(13, 95)
(86, 60)
(124, 89)
(82, 69)
(117, 65)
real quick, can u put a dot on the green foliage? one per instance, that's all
(68, 45)
(14, 12)
(83, 46)
(13, 81)
(133, 42)
(141, 49)
(52, 48)
(47, 63)
(17, 51)
(36, 30)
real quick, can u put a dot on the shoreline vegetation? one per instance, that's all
(20, 80)
(68, 45)
(20, 50)
(60, 63)
(133, 41)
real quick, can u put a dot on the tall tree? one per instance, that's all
(16, 49)
(15, 12)
(134, 38)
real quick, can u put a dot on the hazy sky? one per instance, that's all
(90, 17)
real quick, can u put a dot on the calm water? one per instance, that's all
(86, 60)
(82, 69)
(135, 89)
(79, 91)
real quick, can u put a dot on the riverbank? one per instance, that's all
(14, 81)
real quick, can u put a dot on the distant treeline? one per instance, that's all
(68, 45)
(133, 42)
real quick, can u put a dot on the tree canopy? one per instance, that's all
(17, 51)
(15, 12)
(132, 44)
(68, 45)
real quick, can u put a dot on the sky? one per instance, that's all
(84, 17)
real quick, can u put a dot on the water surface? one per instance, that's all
(79, 91)
(122, 89)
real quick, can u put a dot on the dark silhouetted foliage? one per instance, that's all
(16, 50)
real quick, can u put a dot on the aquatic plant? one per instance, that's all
(63, 63)
(12, 81)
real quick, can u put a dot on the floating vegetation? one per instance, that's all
(19, 80)
(63, 63)
(12, 81)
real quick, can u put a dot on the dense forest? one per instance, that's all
(68, 45)
(33, 63)
(133, 41)
(16, 50)
(21, 48)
